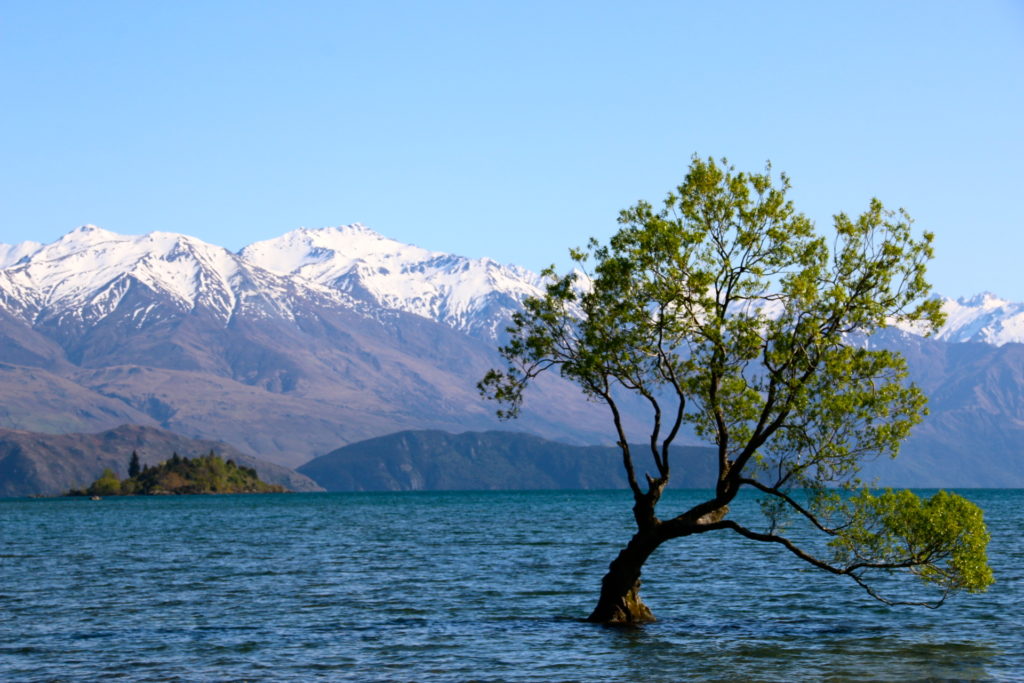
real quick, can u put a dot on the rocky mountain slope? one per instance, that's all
(99, 329)
(974, 433)
(320, 338)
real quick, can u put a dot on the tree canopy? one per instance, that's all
(730, 316)
(177, 475)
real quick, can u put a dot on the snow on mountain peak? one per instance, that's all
(984, 300)
(90, 229)
(88, 272)
(11, 254)
(468, 294)
(327, 253)
(88, 234)
(984, 318)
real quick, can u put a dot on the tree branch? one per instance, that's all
(853, 571)
(792, 503)
(627, 460)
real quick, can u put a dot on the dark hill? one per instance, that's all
(50, 464)
(438, 461)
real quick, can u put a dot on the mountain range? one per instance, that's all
(99, 329)
(292, 347)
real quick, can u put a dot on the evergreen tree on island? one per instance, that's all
(133, 465)
(725, 311)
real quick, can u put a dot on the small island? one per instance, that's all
(206, 474)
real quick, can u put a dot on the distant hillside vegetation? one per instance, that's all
(204, 474)
(50, 464)
(439, 461)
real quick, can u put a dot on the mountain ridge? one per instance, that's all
(165, 330)
(365, 271)
(432, 460)
(476, 296)
(32, 463)
(169, 331)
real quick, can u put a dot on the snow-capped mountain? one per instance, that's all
(12, 253)
(295, 346)
(89, 273)
(476, 296)
(99, 329)
(982, 318)
(86, 273)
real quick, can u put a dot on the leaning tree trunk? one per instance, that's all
(620, 602)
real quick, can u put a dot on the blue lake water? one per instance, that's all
(456, 586)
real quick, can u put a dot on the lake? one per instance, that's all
(483, 586)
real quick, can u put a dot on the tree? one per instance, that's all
(725, 312)
(107, 485)
(133, 465)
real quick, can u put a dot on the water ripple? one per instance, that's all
(454, 587)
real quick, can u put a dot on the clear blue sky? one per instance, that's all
(512, 130)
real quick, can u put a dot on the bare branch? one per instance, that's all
(792, 503)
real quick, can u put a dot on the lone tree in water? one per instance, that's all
(725, 311)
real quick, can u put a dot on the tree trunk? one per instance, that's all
(620, 602)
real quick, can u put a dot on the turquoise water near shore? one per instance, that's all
(483, 586)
